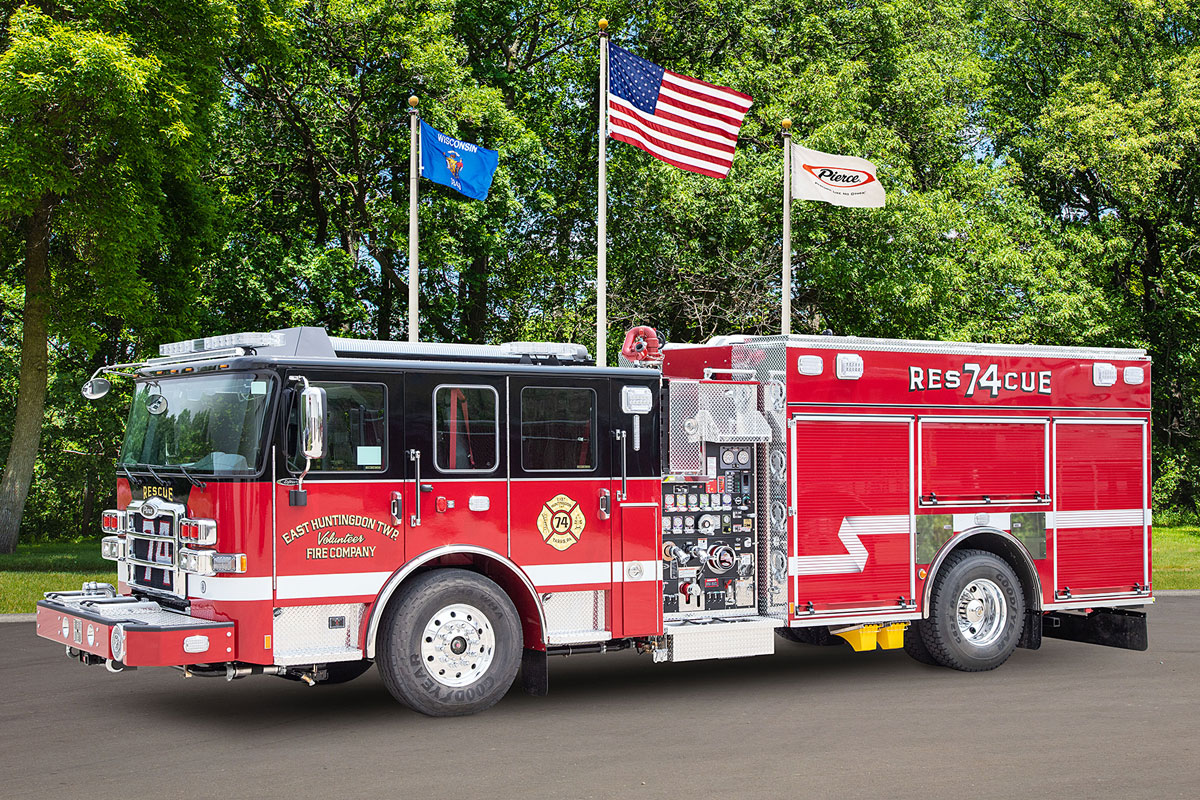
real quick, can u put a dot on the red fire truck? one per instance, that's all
(295, 504)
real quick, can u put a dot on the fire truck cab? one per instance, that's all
(302, 505)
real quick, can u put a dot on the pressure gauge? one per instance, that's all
(727, 457)
(743, 457)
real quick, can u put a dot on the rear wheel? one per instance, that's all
(975, 612)
(914, 644)
(450, 643)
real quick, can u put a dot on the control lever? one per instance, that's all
(691, 589)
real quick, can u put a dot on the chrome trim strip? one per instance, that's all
(155, 564)
(149, 537)
(957, 541)
(274, 524)
(1052, 521)
(897, 614)
(508, 421)
(557, 479)
(986, 420)
(1145, 505)
(1102, 601)
(925, 346)
(389, 588)
(994, 419)
(912, 513)
(855, 417)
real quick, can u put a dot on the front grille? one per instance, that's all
(153, 547)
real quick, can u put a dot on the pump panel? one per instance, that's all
(710, 530)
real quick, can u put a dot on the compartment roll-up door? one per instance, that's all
(976, 462)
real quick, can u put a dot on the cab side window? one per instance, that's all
(465, 428)
(355, 429)
(558, 428)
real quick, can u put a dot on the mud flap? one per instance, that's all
(535, 673)
(1031, 634)
(1110, 627)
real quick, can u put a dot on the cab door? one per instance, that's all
(637, 490)
(339, 529)
(561, 499)
(458, 459)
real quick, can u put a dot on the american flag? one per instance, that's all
(685, 122)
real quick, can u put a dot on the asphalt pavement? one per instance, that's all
(1070, 720)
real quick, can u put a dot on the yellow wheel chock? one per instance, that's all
(868, 637)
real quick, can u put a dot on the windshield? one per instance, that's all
(206, 423)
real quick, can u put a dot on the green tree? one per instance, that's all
(103, 117)
(1097, 103)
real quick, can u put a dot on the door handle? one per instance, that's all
(605, 504)
(397, 508)
(624, 493)
(415, 518)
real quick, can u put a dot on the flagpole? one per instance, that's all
(786, 310)
(414, 173)
(602, 209)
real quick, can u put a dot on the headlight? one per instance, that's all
(112, 548)
(207, 562)
(198, 561)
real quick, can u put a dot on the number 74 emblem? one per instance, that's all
(561, 522)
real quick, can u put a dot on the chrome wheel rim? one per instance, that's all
(982, 612)
(458, 645)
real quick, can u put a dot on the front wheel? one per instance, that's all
(450, 643)
(975, 612)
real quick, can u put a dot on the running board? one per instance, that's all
(694, 640)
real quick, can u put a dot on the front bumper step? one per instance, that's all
(133, 632)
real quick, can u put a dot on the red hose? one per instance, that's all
(641, 344)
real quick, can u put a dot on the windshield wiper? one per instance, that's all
(132, 480)
(199, 484)
(157, 478)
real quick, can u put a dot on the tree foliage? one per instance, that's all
(244, 166)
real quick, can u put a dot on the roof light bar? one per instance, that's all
(563, 351)
(248, 339)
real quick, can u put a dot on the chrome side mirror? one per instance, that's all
(96, 388)
(312, 425)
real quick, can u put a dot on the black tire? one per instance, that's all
(818, 635)
(343, 672)
(914, 644)
(974, 645)
(444, 682)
